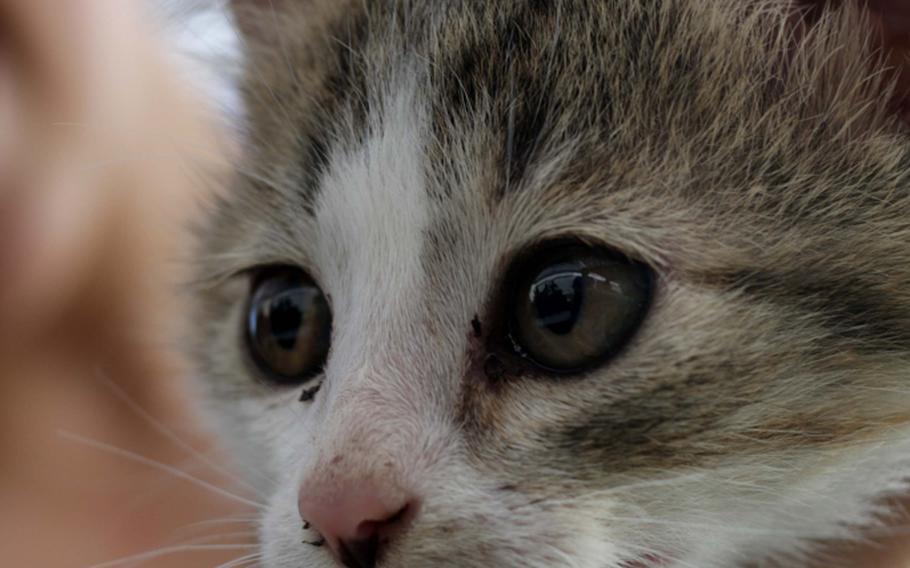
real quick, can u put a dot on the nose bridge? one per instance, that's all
(374, 413)
(371, 418)
(385, 382)
(379, 373)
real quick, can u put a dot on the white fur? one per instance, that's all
(206, 48)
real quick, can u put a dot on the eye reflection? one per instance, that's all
(557, 301)
(576, 306)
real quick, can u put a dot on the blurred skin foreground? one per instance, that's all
(102, 156)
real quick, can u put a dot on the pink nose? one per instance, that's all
(357, 519)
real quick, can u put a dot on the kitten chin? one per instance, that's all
(607, 284)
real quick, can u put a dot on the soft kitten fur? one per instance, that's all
(403, 152)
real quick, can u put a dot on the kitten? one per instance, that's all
(599, 283)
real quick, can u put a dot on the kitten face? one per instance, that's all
(408, 158)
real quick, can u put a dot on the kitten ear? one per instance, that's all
(888, 34)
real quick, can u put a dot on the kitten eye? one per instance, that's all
(575, 307)
(288, 326)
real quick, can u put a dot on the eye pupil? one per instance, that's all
(557, 301)
(285, 317)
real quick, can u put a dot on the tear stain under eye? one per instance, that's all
(494, 368)
(476, 327)
(309, 394)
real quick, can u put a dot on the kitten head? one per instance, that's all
(580, 284)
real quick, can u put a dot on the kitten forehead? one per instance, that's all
(371, 213)
(519, 99)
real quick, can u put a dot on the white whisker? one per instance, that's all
(242, 561)
(214, 538)
(152, 554)
(221, 522)
(170, 434)
(132, 456)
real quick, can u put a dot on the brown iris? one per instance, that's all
(574, 307)
(288, 326)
